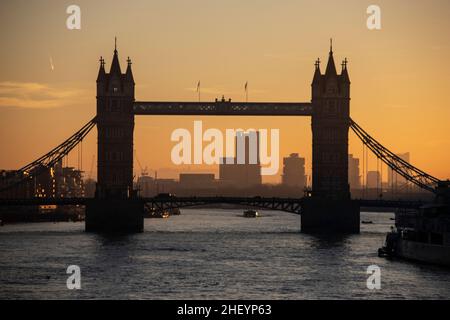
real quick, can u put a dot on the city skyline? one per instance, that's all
(55, 86)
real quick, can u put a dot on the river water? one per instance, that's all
(210, 254)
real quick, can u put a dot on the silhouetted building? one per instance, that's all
(22, 190)
(373, 179)
(354, 179)
(330, 125)
(244, 170)
(294, 171)
(396, 181)
(146, 186)
(166, 185)
(240, 175)
(45, 184)
(54, 182)
(115, 125)
(197, 180)
(68, 182)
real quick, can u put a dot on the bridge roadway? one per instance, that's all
(223, 108)
(292, 205)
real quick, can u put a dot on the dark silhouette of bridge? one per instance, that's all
(158, 203)
(116, 206)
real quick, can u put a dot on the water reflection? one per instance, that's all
(207, 253)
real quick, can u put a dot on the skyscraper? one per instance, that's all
(396, 181)
(294, 171)
(354, 179)
(244, 170)
(373, 179)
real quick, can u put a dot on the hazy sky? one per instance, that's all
(400, 74)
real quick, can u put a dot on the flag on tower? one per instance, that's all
(246, 91)
(198, 90)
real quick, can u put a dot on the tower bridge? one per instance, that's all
(116, 206)
(329, 109)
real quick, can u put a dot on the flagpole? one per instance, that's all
(246, 91)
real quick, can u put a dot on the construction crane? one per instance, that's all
(144, 171)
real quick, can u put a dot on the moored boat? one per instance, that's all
(421, 235)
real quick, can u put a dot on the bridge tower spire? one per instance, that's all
(129, 73)
(101, 78)
(331, 67)
(115, 65)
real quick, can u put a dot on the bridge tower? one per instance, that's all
(113, 207)
(330, 126)
(330, 205)
(115, 125)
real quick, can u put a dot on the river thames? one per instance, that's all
(210, 254)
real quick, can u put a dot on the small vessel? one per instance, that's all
(421, 235)
(251, 214)
(367, 222)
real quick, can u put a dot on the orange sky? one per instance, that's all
(400, 74)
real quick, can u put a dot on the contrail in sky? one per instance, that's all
(51, 64)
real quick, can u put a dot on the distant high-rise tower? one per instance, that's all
(396, 181)
(373, 179)
(244, 170)
(353, 172)
(330, 124)
(294, 171)
(115, 125)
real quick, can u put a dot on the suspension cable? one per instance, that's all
(37, 167)
(402, 167)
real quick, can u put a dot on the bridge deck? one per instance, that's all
(284, 204)
(223, 108)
